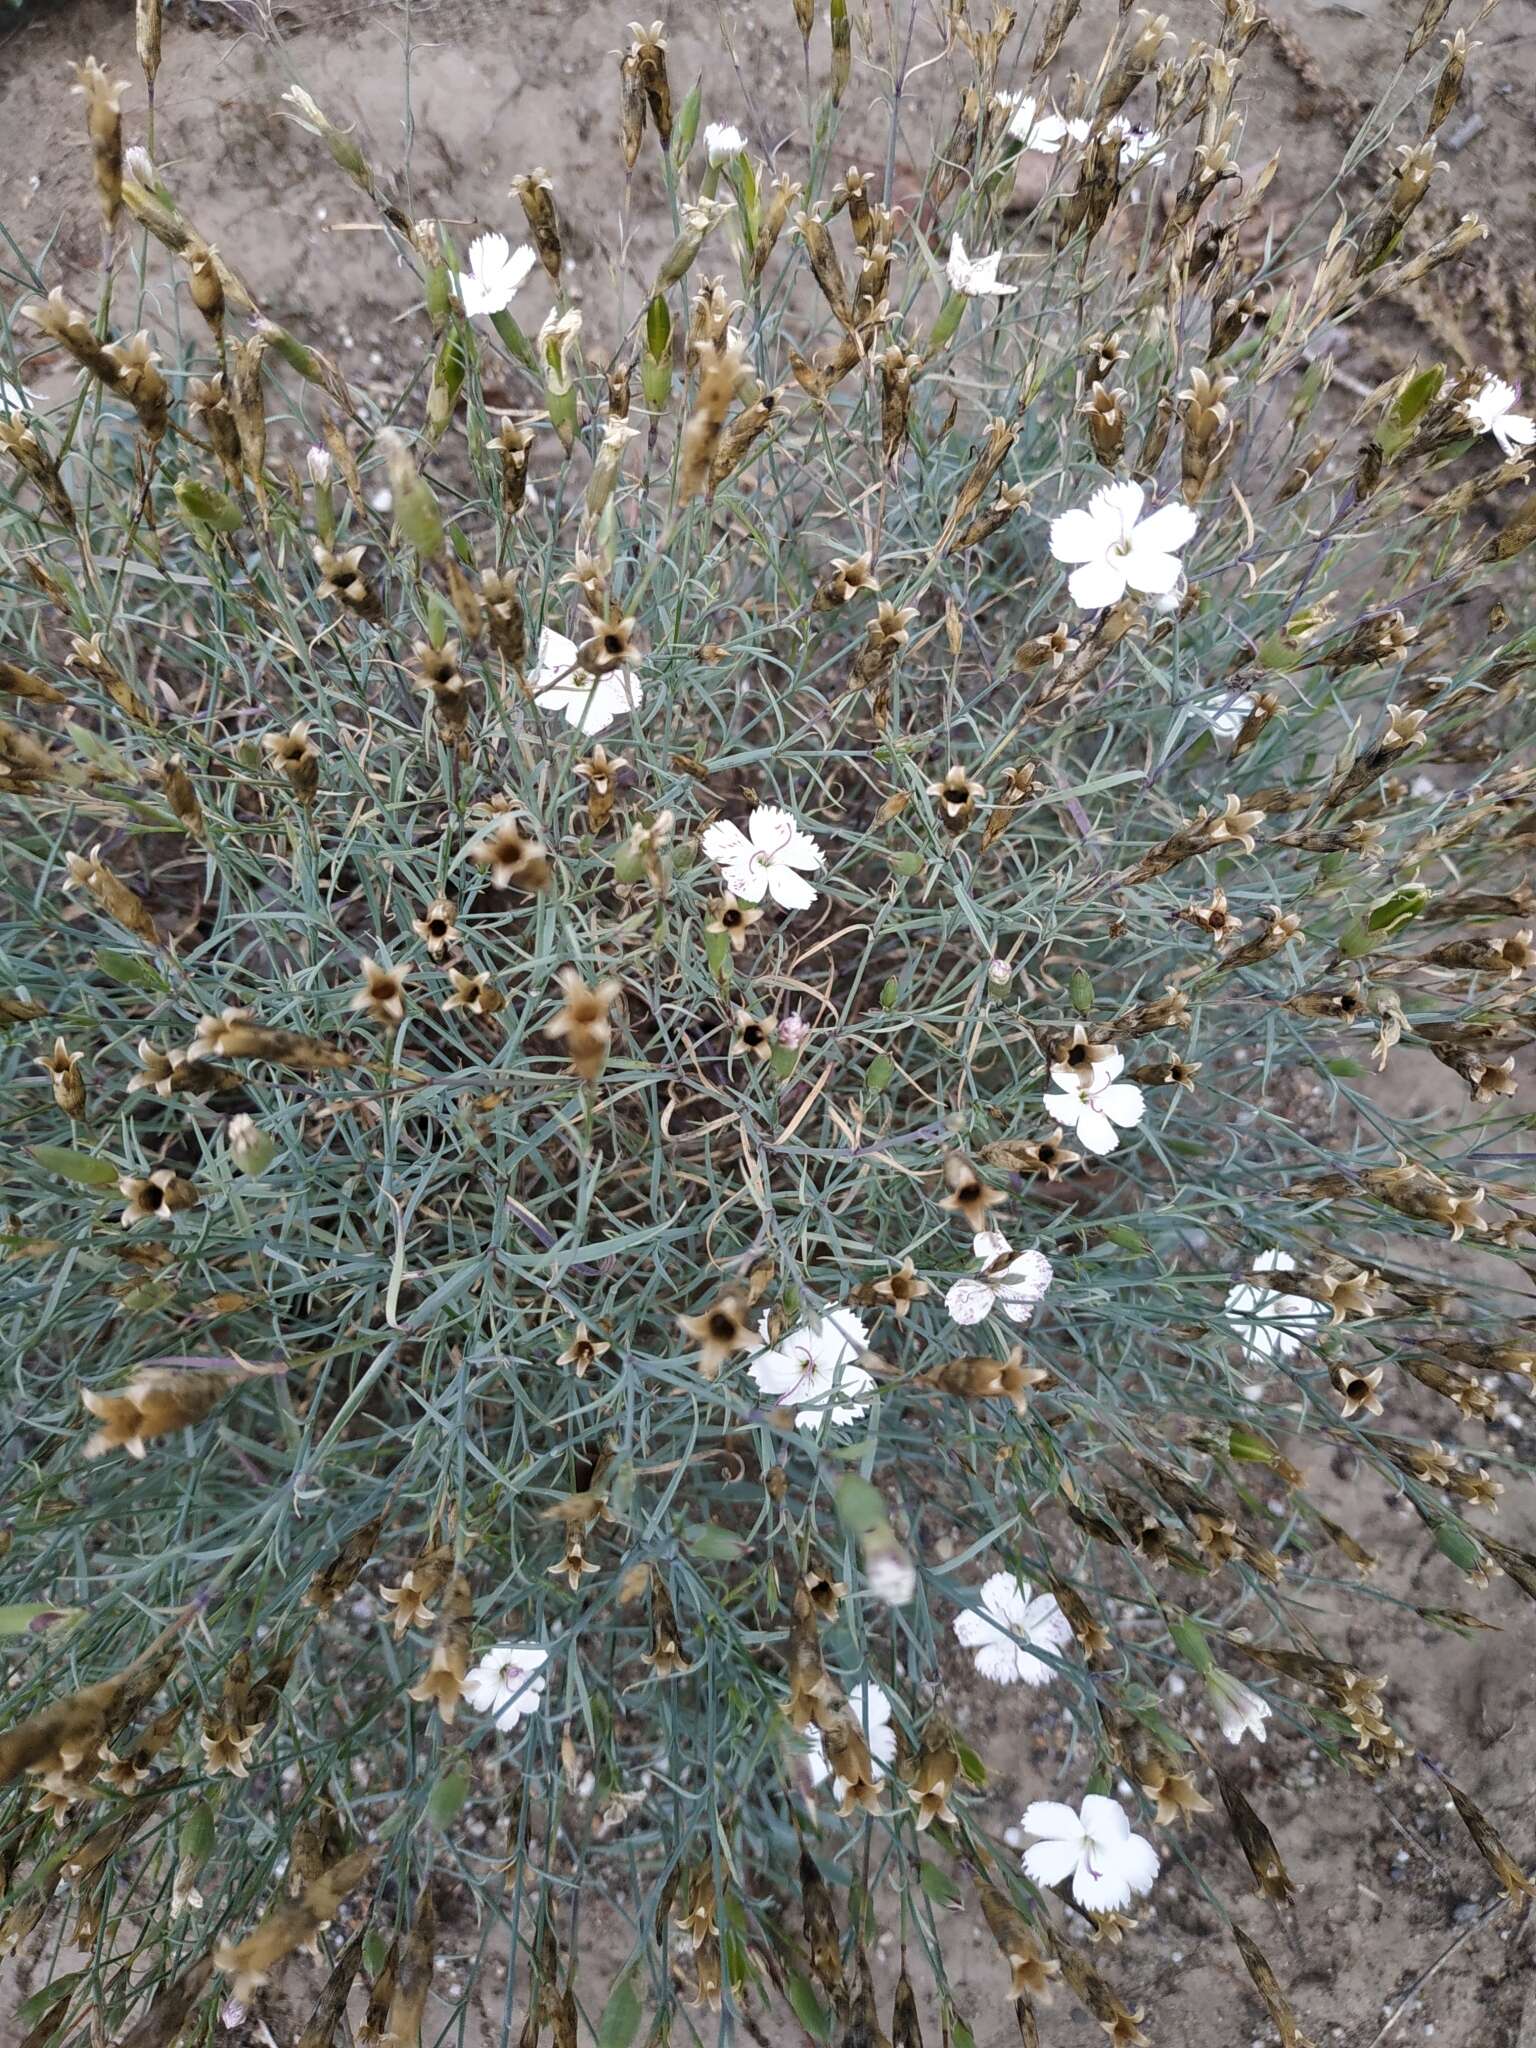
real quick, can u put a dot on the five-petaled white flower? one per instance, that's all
(1224, 711)
(815, 1369)
(507, 1682)
(722, 142)
(1491, 410)
(1033, 126)
(976, 276)
(1015, 1283)
(870, 1709)
(1093, 1101)
(1108, 1865)
(1115, 548)
(1269, 1323)
(590, 703)
(495, 275)
(771, 858)
(1010, 1620)
(1239, 1708)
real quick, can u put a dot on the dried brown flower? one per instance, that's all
(966, 1194)
(720, 1331)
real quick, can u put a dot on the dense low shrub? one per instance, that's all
(690, 1027)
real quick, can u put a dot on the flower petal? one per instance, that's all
(775, 1372)
(745, 880)
(1076, 537)
(775, 833)
(591, 704)
(969, 1301)
(724, 842)
(1052, 1862)
(789, 890)
(555, 662)
(1148, 571)
(1105, 1819)
(838, 1338)
(1136, 1861)
(814, 1757)
(1006, 1598)
(1096, 585)
(1051, 1820)
(973, 1629)
(1168, 529)
(1003, 1663)
(1096, 1131)
(1118, 506)
(1100, 1890)
(1030, 1274)
(1122, 1102)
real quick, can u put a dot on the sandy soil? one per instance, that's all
(1392, 1939)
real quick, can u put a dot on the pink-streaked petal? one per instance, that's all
(725, 843)
(1031, 1273)
(969, 1301)
(772, 830)
(748, 882)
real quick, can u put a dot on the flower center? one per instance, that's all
(809, 1373)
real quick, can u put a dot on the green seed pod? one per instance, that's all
(202, 505)
(656, 367)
